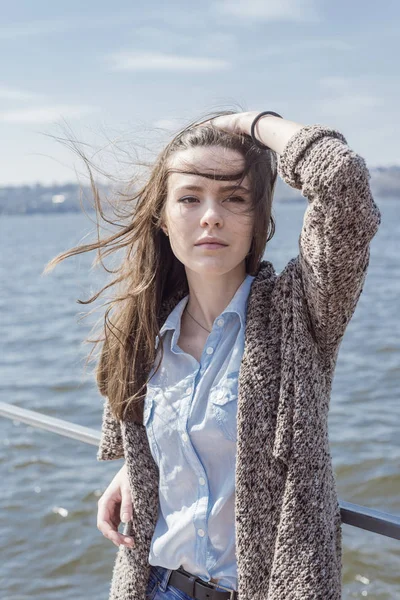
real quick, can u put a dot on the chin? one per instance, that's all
(208, 268)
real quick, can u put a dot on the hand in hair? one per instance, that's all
(237, 123)
(271, 131)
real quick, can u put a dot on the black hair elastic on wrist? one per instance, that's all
(253, 137)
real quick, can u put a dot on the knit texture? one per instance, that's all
(287, 516)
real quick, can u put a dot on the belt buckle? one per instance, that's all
(231, 592)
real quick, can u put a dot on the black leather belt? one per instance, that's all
(199, 589)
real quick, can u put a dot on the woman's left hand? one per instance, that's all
(239, 123)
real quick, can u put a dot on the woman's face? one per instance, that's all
(192, 214)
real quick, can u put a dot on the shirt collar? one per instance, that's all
(237, 305)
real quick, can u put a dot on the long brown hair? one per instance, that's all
(150, 273)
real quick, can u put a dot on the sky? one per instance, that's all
(121, 77)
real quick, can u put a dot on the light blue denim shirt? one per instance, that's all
(190, 418)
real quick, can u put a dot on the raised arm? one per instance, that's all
(339, 222)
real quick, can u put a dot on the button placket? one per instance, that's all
(203, 493)
(200, 516)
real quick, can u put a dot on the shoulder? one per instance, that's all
(276, 295)
(279, 285)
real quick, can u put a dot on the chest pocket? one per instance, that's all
(223, 399)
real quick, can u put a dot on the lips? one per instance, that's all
(211, 244)
(210, 241)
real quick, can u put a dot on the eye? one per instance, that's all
(237, 198)
(187, 198)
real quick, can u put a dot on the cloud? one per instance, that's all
(349, 105)
(179, 39)
(304, 45)
(34, 28)
(12, 31)
(271, 10)
(45, 114)
(319, 44)
(169, 124)
(345, 99)
(14, 94)
(336, 83)
(148, 61)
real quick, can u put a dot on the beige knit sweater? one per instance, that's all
(287, 517)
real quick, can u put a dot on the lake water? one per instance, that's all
(50, 545)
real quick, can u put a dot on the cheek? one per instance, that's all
(182, 221)
(182, 227)
(174, 220)
(174, 211)
(242, 226)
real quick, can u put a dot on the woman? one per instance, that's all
(227, 484)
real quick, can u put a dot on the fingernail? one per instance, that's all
(125, 518)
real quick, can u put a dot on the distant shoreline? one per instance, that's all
(74, 198)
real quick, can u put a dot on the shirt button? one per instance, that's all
(189, 390)
(201, 532)
(220, 322)
(202, 480)
(210, 350)
(185, 437)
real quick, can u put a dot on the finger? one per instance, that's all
(202, 125)
(126, 505)
(118, 539)
(113, 535)
(205, 123)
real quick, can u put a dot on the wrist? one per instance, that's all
(246, 121)
(248, 118)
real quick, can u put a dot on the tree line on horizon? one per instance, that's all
(73, 197)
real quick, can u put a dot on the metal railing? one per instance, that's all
(362, 517)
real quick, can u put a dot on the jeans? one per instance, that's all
(157, 588)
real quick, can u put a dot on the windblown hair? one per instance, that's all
(150, 273)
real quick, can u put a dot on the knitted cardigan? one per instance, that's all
(287, 516)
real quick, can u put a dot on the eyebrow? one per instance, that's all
(225, 188)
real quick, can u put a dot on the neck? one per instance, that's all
(208, 297)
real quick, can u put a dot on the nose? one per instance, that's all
(211, 215)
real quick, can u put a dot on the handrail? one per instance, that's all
(65, 428)
(356, 515)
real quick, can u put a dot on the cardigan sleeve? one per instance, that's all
(111, 444)
(340, 220)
